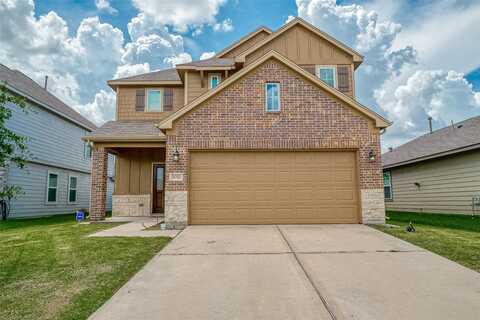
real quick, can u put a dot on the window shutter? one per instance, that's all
(343, 78)
(168, 99)
(309, 68)
(140, 100)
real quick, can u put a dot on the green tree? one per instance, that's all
(13, 147)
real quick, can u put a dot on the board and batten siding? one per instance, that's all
(446, 185)
(55, 145)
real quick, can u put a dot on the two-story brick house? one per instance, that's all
(268, 131)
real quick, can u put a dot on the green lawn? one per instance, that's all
(456, 237)
(50, 270)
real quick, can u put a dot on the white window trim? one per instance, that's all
(76, 189)
(326, 66)
(266, 97)
(87, 146)
(161, 99)
(49, 172)
(211, 75)
(389, 185)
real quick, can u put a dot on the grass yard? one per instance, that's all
(50, 270)
(455, 237)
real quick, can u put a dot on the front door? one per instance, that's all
(158, 187)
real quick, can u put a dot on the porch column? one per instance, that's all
(98, 181)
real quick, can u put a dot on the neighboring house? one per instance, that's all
(267, 131)
(438, 172)
(56, 179)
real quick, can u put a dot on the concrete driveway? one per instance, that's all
(295, 272)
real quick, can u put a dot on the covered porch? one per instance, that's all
(139, 150)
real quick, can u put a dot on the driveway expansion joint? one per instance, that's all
(320, 295)
(224, 253)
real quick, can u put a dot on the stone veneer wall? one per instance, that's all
(373, 206)
(310, 118)
(175, 209)
(131, 205)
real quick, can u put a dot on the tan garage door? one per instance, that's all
(273, 187)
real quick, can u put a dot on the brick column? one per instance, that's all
(98, 181)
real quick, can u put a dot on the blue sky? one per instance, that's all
(410, 70)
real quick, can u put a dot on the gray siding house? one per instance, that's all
(438, 172)
(56, 179)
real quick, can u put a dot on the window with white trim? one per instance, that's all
(387, 185)
(72, 189)
(328, 74)
(154, 100)
(87, 150)
(52, 187)
(214, 80)
(272, 95)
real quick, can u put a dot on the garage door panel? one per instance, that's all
(273, 187)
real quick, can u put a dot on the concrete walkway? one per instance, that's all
(295, 272)
(135, 227)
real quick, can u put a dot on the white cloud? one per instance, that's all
(79, 63)
(152, 43)
(101, 109)
(178, 59)
(290, 18)
(207, 55)
(104, 5)
(445, 33)
(129, 70)
(181, 14)
(224, 26)
(408, 101)
(391, 80)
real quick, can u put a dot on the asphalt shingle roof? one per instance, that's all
(127, 130)
(449, 139)
(23, 84)
(161, 75)
(212, 62)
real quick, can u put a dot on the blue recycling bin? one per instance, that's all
(80, 216)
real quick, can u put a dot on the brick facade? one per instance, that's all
(310, 118)
(98, 190)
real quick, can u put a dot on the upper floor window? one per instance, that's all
(328, 75)
(214, 80)
(87, 150)
(154, 100)
(52, 187)
(387, 185)
(272, 94)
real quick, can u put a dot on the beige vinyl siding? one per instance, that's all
(247, 44)
(303, 47)
(126, 104)
(194, 85)
(446, 185)
(134, 170)
(308, 50)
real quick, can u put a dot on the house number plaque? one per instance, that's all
(176, 176)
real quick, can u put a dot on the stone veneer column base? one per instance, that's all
(373, 206)
(131, 205)
(176, 209)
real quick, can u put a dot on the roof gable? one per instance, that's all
(166, 76)
(380, 122)
(459, 137)
(21, 84)
(357, 57)
(244, 42)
